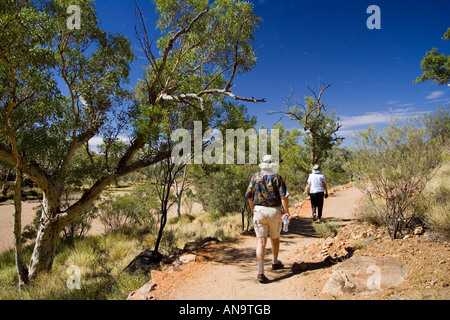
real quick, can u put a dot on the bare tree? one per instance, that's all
(181, 186)
(320, 125)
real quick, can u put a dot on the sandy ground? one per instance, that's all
(7, 219)
(229, 270)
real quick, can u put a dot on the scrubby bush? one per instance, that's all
(433, 206)
(137, 208)
(221, 190)
(394, 167)
(367, 212)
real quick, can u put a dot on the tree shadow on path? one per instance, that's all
(243, 251)
(297, 270)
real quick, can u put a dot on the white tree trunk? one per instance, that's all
(20, 265)
(45, 249)
(47, 237)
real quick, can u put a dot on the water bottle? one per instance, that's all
(286, 223)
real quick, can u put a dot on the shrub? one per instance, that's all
(433, 206)
(395, 166)
(221, 190)
(327, 228)
(367, 212)
(130, 210)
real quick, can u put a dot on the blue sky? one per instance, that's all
(303, 42)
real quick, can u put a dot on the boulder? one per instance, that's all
(187, 258)
(364, 275)
(143, 293)
(195, 245)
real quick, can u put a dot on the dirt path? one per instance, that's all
(228, 270)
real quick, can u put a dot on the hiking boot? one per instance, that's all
(262, 278)
(277, 266)
(314, 217)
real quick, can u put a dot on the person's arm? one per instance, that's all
(324, 184)
(308, 188)
(252, 205)
(284, 193)
(285, 202)
(249, 196)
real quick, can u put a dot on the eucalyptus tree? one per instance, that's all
(61, 86)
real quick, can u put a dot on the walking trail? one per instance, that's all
(227, 271)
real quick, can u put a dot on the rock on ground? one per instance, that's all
(364, 275)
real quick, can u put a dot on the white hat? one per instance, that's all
(268, 163)
(316, 169)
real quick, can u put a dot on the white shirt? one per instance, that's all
(316, 180)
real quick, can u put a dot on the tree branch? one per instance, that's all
(169, 47)
(198, 96)
(94, 192)
(7, 183)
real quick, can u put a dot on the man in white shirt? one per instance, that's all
(317, 190)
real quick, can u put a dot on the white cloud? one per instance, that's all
(368, 118)
(347, 133)
(435, 95)
(393, 102)
(96, 141)
(377, 118)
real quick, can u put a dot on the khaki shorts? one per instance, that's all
(267, 221)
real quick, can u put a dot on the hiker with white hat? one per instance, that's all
(317, 190)
(267, 194)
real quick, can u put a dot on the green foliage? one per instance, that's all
(296, 158)
(59, 88)
(202, 47)
(437, 125)
(294, 166)
(328, 228)
(40, 48)
(125, 212)
(435, 65)
(433, 205)
(80, 226)
(225, 22)
(221, 190)
(335, 167)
